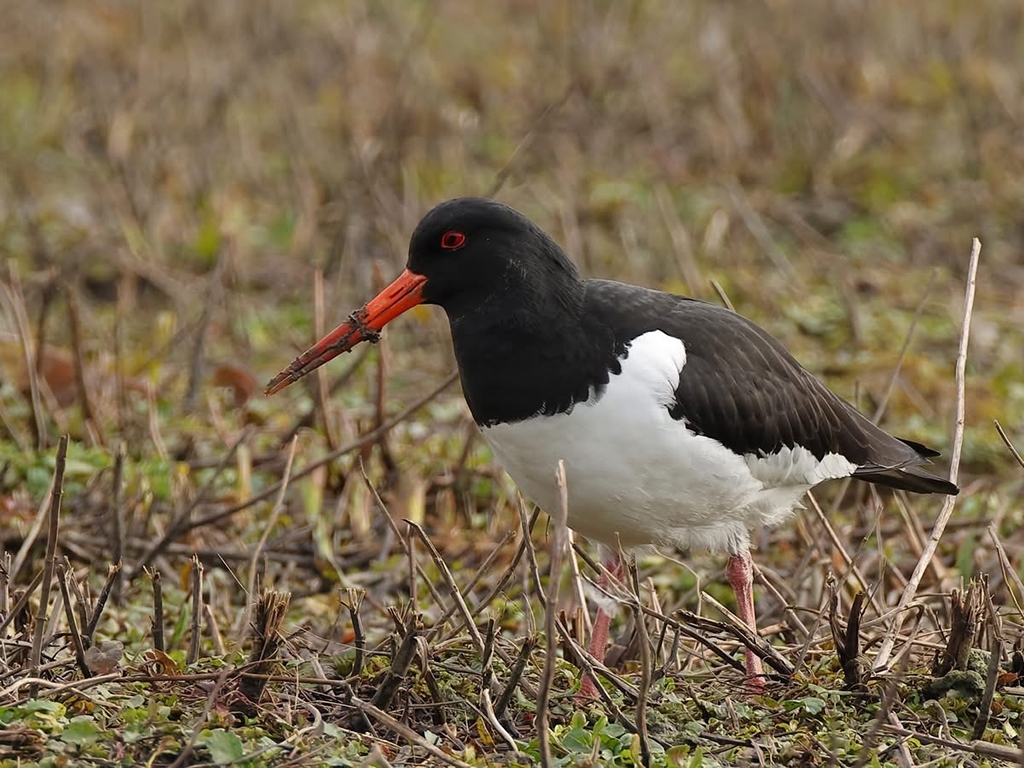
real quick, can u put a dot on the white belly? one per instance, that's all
(637, 476)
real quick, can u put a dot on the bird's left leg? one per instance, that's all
(740, 573)
(602, 622)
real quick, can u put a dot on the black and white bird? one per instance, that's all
(680, 423)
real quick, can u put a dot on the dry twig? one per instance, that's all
(550, 638)
(886, 648)
(197, 612)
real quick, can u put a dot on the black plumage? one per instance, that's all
(533, 338)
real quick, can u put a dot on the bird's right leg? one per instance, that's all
(740, 573)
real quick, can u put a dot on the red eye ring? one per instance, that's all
(452, 240)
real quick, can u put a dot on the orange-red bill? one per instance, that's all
(362, 325)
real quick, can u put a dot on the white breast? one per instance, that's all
(637, 475)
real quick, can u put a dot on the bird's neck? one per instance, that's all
(527, 356)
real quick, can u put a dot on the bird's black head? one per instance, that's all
(474, 252)
(484, 263)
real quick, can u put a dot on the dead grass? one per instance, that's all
(179, 178)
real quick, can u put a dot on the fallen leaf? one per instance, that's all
(102, 658)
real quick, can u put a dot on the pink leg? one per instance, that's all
(602, 623)
(740, 573)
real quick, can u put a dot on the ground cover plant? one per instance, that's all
(341, 575)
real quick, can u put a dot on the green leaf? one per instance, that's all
(224, 746)
(578, 740)
(812, 704)
(42, 705)
(83, 731)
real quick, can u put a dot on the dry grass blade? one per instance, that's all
(722, 295)
(453, 588)
(550, 608)
(910, 593)
(322, 391)
(755, 224)
(50, 561)
(531, 553)
(30, 538)
(1009, 445)
(5, 582)
(1009, 572)
(415, 569)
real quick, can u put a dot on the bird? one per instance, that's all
(680, 423)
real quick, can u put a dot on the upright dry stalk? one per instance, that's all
(213, 294)
(550, 609)
(117, 516)
(113, 578)
(910, 593)
(16, 306)
(197, 611)
(63, 575)
(56, 495)
(158, 610)
(255, 559)
(645, 661)
(75, 326)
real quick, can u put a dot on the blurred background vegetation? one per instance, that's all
(175, 176)
(820, 166)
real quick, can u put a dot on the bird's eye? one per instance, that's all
(453, 240)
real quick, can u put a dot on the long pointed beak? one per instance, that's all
(362, 325)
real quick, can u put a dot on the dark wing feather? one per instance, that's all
(741, 387)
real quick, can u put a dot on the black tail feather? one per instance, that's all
(912, 479)
(924, 450)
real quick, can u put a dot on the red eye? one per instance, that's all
(452, 240)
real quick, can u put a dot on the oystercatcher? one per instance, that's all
(680, 423)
